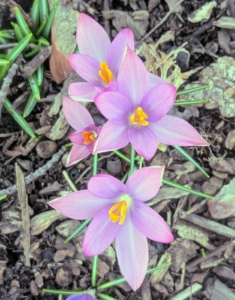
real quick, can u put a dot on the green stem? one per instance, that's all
(187, 156)
(95, 164)
(197, 88)
(132, 163)
(121, 155)
(63, 292)
(71, 184)
(94, 271)
(105, 297)
(124, 178)
(189, 102)
(79, 229)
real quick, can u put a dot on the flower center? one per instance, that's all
(118, 212)
(89, 137)
(105, 74)
(139, 117)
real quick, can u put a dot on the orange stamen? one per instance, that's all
(105, 74)
(89, 137)
(118, 212)
(139, 117)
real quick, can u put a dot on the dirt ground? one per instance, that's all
(202, 254)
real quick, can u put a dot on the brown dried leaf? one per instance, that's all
(67, 227)
(230, 140)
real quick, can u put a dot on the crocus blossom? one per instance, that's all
(138, 115)
(119, 212)
(86, 134)
(81, 297)
(99, 59)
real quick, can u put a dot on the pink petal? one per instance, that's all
(150, 223)
(158, 101)
(87, 67)
(100, 233)
(77, 138)
(77, 153)
(132, 254)
(92, 39)
(76, 114)
(79, 205)
(114, 106)
(144, 183)
(81, 297)
(106, 186)
(118, 49)
(143, 140)
(112, 136)
(133, 78)
(175, 131)
(154, 80)
(82, 91)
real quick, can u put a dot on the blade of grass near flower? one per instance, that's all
(18, 32)
(41, 28)
(105, 297)
(197, 88)
(190, 102)
(47, 30)
(186, 155)
(22, 23)
(18, 49)
(3, 197)
(63, 292)
(4, 62)
(43, 41)
(43, 10)
(6, 34)
(35, 13)
(34, 85)
(34, 51)
(3, 41)
(39, 73)
(18, 118)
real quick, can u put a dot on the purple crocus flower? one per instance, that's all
(138, 114)
(86, 134)
(99, 60)
(81, 297)
(119, 213)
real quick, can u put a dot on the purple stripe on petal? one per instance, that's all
(112, 136)
(92, 39)
(114, 106)
(132, 254)
(143, 140)
(155, 80)
(87, 67)
(175, 131)
(118, 49)
(82, 91)
(106, 186)
(133, 79)
(76, 114)
(150, 223)
(100, 233)
(79, 205)
(77, 153)
(144, 183)
(158, 101)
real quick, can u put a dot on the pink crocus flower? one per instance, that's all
(99, 59)
(119, 213)
(86, 134)
(81, 297)
(138, 114)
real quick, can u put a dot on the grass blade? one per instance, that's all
(34, 86)
(34, 51)
(22, 23)
(18, 49)
(197, 88)
(43, 9)
(190, 102)
(35, 13)
(19, 34)
(47, 30)
(32, 101)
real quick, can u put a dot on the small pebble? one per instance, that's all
(46, 149)
(114, 166)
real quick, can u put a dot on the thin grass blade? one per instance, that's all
(186, 102)
(41, 28)
(47, 30)
(44, 10)
(18, 49)
(34, 86)
(197, 88)
(18, 32)
(22, 23)
(35, 13)
(34, 51)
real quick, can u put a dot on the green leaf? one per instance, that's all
(34, 85)
(197, 88)
(44, 11)
(47, 30)
(22, 23)
(18, 49)
(18, 118)
(4, 62)
(32, 101)
(34, 51)
(18, 32)
(189, 102)
(35, 13)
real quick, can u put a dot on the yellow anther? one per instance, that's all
(139, 117)
(89, 137)
(105, 74)
(118, 212)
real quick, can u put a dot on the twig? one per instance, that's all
(7, 46)
(8, 80)
(34, 175)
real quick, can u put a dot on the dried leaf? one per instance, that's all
(225, 22)
(202, 14)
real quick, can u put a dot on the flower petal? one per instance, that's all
(150, 223)
(112, 136)
(77, 153)
(82, 91)
(133, 78)
(158, 101)
(76, 114)
(92, 39)
(87, 67)
(114, 106)
(143, 140)
(106, 186)
(144, 183)
(118, 49)
(81, 297)
(100, 233)
(154, 80)
(175, 131)
(132, 253)
(79, 205)
(77, 138)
